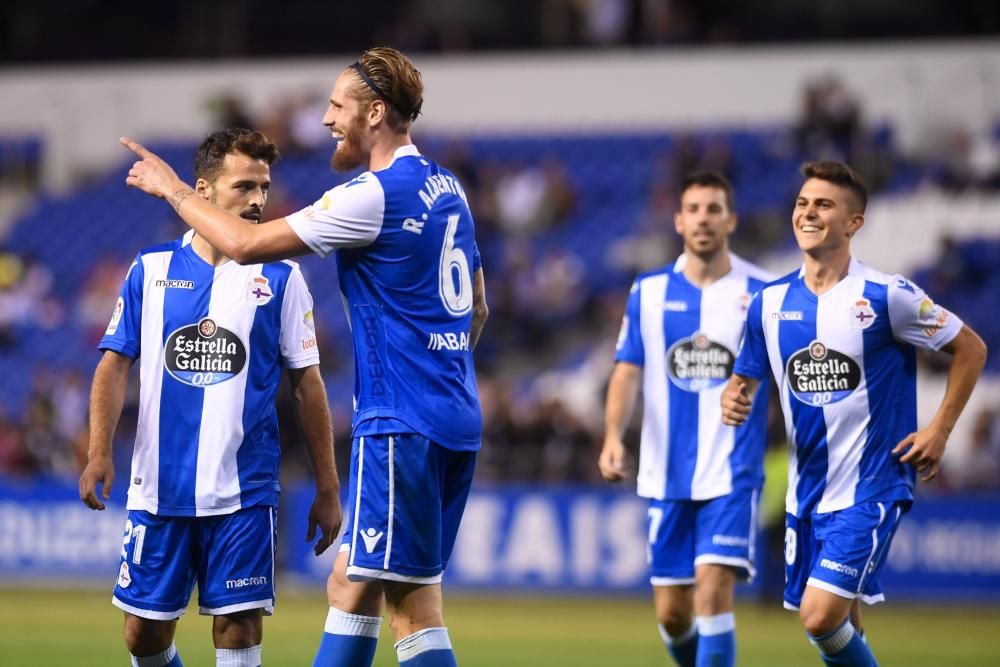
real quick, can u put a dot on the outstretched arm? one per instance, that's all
(926, 446)
(107, 396)
(737, 399)
(622, 390)
(238, 239)
(312, 412)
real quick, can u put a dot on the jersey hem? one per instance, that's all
(417, 427)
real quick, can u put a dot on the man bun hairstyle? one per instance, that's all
(840, 174)
(216, 146)
(708, 178)
(388, 75)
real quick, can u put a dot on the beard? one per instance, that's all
(349, 155)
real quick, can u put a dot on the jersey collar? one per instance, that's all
(409, 150)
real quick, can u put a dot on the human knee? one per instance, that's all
(147, 637)
(713, 593)
(675, 618)
(413, 608)
(238, 630)
(819, 621)
(364, 599)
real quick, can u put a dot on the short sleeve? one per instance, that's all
(124, 332)
(916, 319)
(751, 360)
(629, 347)
(298, 328)
(348, 216)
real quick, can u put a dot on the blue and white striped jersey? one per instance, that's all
(406, 253)
(846, 365)
(685, 339)
(211, 343)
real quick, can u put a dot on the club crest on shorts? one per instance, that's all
(259, 291)
(862, 314)
(124, 576)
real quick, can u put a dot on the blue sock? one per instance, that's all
(844, 647)
(428, 648)
(717, 643)
(683, 648)
(349, 640)
(168, 658)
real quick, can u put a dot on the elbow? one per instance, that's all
(241, 252)
(480, 313)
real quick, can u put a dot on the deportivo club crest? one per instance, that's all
(862, 315)
(259, 291)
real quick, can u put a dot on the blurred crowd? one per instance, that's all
(548, 348)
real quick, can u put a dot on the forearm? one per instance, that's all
(968, 359)
(107, 397)
(480, 311)
(313, 416)
(622, 391)
(229, 233)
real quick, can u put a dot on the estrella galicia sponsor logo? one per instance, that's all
(170, 283)
(204, 354)
(698, 363)
(818, 375)
(245, 581)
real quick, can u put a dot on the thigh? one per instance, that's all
(671, 542)
(236, 567)
(156, 571)
(726, 531)
(855, 542)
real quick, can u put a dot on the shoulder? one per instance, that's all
(782, 282)
(662, 273)
(872, 275)
(750, 270)
(168, 247)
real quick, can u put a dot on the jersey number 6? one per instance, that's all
(455, 278)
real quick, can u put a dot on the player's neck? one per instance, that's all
(824, 270)
(207, 251)
(385, 149)
(702, 271)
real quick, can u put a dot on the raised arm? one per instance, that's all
(926, 446)
(312, 412)
(622, 391)
(238, 239)
(107, 397)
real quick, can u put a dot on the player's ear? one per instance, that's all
(856, 222)
(677, 222)
(203, 188)
(733, 222)
(377, 112)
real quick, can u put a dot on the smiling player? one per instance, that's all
(840, 340)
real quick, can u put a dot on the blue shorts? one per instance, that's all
(404, 504)
(687, 533)
(231, 556)
(842, 552)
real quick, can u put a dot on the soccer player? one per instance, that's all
(414, 292)
(840, 339)
(211, 337)
(679, 335)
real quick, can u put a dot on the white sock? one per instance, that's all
(428, 639)
(715, 625)
(238, 657)
(354, 625)
(680, 639)
(158, 660)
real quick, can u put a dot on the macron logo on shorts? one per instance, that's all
(839, 567)
(245, 581)
(371, 538)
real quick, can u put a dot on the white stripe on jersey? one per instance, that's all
(846, 420)
(653, 456)
(217, 484)
(143, 489)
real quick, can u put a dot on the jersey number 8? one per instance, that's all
(455, 278)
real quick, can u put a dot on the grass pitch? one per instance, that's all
(56, 627)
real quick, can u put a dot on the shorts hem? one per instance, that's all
(151, 614)
(671, 581)
(266, 604)
(355, 573)
(837, 590)
(789, 606)
(749, 572)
